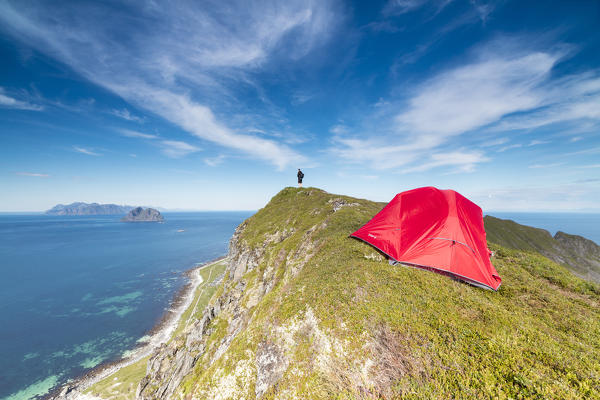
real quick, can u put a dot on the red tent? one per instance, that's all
(438, 230)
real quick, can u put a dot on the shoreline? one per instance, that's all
(160, 333)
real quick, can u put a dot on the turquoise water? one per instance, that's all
(582, 224)
(79, 291)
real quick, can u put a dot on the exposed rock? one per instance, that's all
(270, 366)
(338, 203)
(584, 253)
(171, 363)
(140, 214)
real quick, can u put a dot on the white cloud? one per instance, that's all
(83, 150)
(177, 149)
(301, 97)
(125, 114)
(494, 142)
(461, 161)
(509, 147)
(591, 150)
(10, 102)
(170, 55)
(536, 142)
(483, 9)
(476, 94)
(399, 7)
(214, 161)
(544, 166)
(561, 197)
(33, 174)
(503, 85)
(201, 122)
(339, 129)
(136, 134)
(589, 166)
(574, 98)
(424, 134)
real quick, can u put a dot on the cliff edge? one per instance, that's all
(305, 312)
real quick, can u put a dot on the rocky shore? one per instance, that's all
(159, 335)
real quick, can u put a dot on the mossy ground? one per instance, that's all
(419, 335)
(122, 384)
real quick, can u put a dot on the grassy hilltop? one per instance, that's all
(306, 312)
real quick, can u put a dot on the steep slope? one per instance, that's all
(580, 255)
(306, 312)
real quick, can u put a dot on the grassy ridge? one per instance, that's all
(580, 255)
(397, 332)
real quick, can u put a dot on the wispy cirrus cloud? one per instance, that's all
(544, 166)
(501, 86)
(400, 7)
(580, 195)
(214, 161)
(571, 99)
(456, 161)
(32, 174)
(177, 149)
(509, 147)
(126, 114)
(459, 100)
(536, 142)
(86, 151)
(7, 101)
(136, 134)
(170, 52)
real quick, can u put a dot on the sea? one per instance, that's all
(79, 291)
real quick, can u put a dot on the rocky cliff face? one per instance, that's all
(204, 345)
(581, 252)
(304, 312)
(176, 360)
(140, 214)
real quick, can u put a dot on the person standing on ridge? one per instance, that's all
(300, 176)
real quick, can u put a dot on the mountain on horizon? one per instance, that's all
(81, 208)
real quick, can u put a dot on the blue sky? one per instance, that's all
(214, 105)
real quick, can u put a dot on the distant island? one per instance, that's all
(140, 214)
(80, 208)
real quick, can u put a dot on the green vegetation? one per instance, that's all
(509, 234)
(580, 255)
(122, 384)
(352, 327)
(204, 292)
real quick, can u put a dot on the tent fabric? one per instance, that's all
(437, 230)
